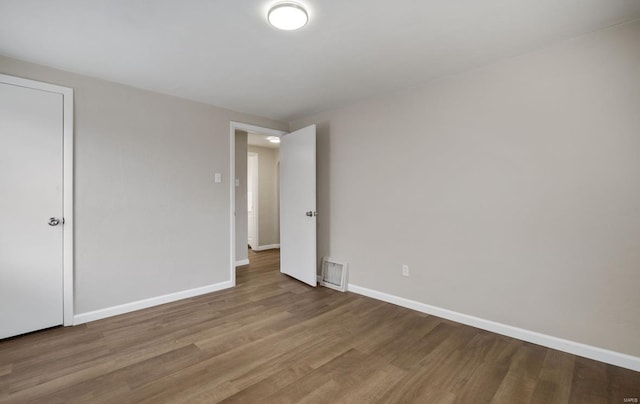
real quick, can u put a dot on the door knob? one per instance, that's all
(54, 221)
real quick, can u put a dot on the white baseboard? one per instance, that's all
(242, 262)
(153, 301)
(266, 247)
(576, 348)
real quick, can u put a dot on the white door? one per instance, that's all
(252, 199)
(31, 172)
(298, 205)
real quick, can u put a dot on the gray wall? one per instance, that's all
(512, 191)
(149, 218)
(268, 195)
(242, 251)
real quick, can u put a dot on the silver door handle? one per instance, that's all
(54, 221)
(311, 213)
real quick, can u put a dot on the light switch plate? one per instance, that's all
(218, 178)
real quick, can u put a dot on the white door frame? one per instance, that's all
(67, 184)
(255, 196)
(232, 190)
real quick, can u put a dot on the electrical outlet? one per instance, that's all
(405, 270)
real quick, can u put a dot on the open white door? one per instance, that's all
(252, 199)
(298, 205)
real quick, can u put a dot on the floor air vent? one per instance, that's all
(334, 274)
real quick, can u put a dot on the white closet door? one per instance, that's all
(31, 209)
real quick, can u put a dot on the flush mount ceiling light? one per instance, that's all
(287, 16)
(273, 139)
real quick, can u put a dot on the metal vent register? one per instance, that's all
(334, 274)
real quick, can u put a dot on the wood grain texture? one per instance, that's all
(273, 339)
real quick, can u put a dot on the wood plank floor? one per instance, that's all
(274, 340)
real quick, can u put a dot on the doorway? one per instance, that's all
(36, 174)
(257, 181)
(241, 191)
(263, 199)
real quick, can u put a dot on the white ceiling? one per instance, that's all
(254, 139)
(223, 52)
